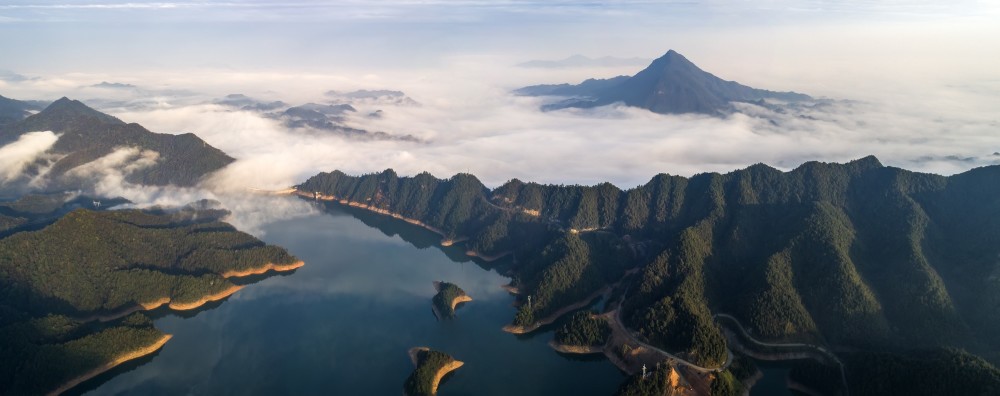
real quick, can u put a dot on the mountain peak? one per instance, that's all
(671, 84)
(69, 108)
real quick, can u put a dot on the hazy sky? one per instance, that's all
(919, 80)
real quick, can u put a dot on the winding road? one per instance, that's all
(619, 326)
(823, 351)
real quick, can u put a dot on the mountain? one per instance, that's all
(855, 256)
(244, 102)
(669, 85)
(373, 97)
(12, 110)
(584, 61)
(87, 135)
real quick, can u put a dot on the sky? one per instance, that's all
(916, 83)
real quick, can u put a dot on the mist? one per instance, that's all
(916, 85)
(15, 157)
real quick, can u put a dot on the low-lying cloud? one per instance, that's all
(468, 122)
(18, 155)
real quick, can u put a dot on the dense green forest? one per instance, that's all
(87, 134)
(88, 263)
(584, 328)
(447, 292)
(921, 372)
(855, 255)
(421, 381)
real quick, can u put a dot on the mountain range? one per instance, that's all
(86, 135)
(671, 84)
(874, 262)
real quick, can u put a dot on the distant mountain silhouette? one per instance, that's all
(87, 134)
(669, 85)
(12, 110)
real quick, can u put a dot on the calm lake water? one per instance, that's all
(342, 325)
(775, 379)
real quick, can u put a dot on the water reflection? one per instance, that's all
(342, 324)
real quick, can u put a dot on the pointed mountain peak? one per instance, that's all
(674, 59)
(68, 108)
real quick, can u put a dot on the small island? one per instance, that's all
(430, 367)
(447, 299)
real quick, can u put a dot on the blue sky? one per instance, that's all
(920, 80)
(78, 35)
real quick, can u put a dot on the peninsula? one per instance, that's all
(134, 261)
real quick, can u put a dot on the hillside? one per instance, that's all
(671, 84)
(12, 110)
(87, 135)
(68, 292)
(854, 255)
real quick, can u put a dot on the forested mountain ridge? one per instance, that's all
(65, 289)
(86, 135)
(852, 255)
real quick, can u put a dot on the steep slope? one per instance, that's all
(669, 85)
(87, 135)
(854, 255)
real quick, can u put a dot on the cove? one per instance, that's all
(343, 323)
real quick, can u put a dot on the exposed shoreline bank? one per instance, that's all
(151, 305)
(150, 349)
(443, 371)
(514, 329)
(263, 269)
(445, 240)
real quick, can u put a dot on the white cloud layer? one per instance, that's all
(15, 157)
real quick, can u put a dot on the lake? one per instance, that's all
(343, 324)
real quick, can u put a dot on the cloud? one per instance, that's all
(249, 212)
(17, 156)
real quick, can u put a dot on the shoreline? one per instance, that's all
(445, 240)
(149, 306)
(454, 302)
(205, 300)
(575, 349)
(513, 329)
(443, 371)
(150, 349)
(263, 269)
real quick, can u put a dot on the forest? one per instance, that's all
(87, 134)
(447, 293)
(421, 381)
(53, 280)
(908, 258)
(584, 329)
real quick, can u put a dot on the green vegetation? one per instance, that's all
(447, 292)
(854, 255)
(657, 382)
(729, 382)
(584, 329)
(87, 134)
(39, 354)
(931, 372)
(93, 263)
(421, 381)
